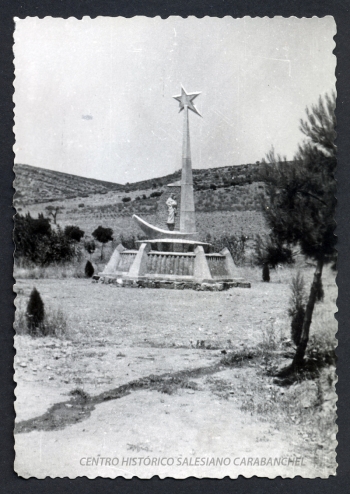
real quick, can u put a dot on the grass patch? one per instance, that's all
(79, 394)
(55, 323)
(238, 358)
(53, 271)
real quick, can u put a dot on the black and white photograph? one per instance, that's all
(175, 253)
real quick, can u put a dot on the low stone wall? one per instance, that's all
(170, 263)
(171, 284)
(217, 265)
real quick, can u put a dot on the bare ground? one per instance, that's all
(145, 368)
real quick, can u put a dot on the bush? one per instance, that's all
(37, 242)
(81, 205)
(35, 312)
(270, 251)
(130, 242)
(297, 307)
(74, 233)
(54, 324)
(266, 273)
(126, 199)
(156, 193)
(90, 246)
(235, 244)
(213, 186)
(103, 235)
(321, 350)
(89, 269)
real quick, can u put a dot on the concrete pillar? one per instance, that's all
(139, 266)
(112, 266)
(201, 268)
(187, 212)
(229, 263)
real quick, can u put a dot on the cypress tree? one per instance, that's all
(266, 273)
(35, 312)
(89, 269)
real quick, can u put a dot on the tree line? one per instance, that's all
(39, 243)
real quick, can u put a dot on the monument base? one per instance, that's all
(172, 264)
(172, 284)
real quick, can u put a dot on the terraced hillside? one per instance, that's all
(41, 185)
(35, 185)
(226, 200)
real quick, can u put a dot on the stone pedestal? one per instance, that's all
(112, 266)
(159, 264)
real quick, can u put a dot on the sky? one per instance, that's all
(94, 97)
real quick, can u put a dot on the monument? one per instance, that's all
(174, 258)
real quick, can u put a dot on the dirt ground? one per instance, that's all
(140, 375)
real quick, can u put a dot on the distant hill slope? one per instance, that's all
(227, 199)
(36, 185)
(203, 178)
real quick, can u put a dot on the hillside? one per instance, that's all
(226, 199)
(204, 178)
(35, 185)
(38, 185)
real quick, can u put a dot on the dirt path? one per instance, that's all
(176, 411)
(190, 422)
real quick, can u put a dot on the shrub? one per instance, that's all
(37, 242)
(235, 244)
(73, 233)
(55, 324)
(126, 199)
(297, 307)
(35, 312)
(156, 193)
(266, 273)
(270, 251)
(89, 269)
(81, 205)
(90, 246)
(54, 210)
(103, 235)
(321, 350)
(58, 249)
(213, 186)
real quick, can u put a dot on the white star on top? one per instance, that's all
(186, 100)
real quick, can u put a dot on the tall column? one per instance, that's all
(187, 212)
